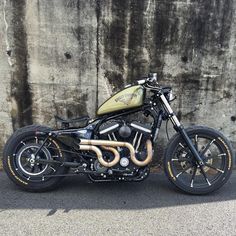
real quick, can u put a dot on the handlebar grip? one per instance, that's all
(152, 77)
(142, 81)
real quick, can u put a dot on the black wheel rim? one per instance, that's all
(36, 172)
(186, 170)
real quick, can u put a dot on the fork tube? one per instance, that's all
(171, 114)
(190, 145)
(181, 130)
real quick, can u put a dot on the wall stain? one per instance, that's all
(78, 108)
(115, 79)
(20, 89)
(165, 34)
(74, 103)
(135, 39)
(114, 39)
(226, 23)
(78, 32)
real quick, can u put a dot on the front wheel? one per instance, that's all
(184, 172)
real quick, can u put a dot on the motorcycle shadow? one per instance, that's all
(77, 193)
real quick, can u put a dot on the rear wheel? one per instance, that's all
(21, 165)
(183, 170)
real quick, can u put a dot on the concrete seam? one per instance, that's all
(98, 12)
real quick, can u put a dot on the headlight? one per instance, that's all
(171, 96)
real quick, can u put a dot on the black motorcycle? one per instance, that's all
(118, 145)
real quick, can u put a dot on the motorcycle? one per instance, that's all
(117, 145)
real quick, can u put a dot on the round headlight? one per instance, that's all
(171, 96)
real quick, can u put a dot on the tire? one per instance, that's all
(22, 140)
(182, 170)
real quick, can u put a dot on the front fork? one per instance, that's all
(180, 128)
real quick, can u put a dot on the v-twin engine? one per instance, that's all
(129, 145)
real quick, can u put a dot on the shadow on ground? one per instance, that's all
(77, 193)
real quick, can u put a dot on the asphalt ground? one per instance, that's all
(152, 207)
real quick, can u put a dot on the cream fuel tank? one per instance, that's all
(130, 97)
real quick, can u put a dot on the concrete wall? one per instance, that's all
(66, 56)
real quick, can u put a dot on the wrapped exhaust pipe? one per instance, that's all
(99, 154)
(110, 144)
